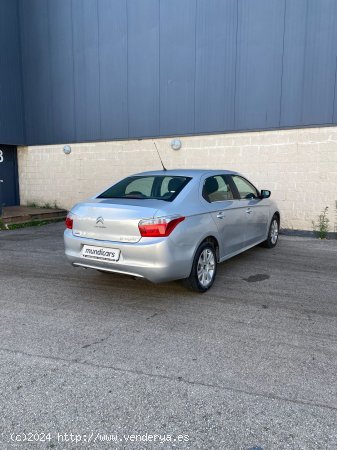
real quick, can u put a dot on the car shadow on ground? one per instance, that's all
(241, 268)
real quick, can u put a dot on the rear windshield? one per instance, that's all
(148, 187)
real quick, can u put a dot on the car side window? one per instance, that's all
(216, 189)
(246, 189)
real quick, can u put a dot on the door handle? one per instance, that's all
(248, 210)
(220, 215)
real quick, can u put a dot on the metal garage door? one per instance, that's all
(9, 190)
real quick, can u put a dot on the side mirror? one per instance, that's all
(265, 193)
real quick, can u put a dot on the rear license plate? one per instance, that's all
(101, 253)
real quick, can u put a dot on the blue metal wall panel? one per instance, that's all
(216, 29)
(86, 70)
(61, 70)
(334, 117)
(11, 102)
(320, 66)
(259, 63)
(177, 66)
(36, 71)
(309, 66)
(118, 69)
(113, 68)
(143, 67)
(293, 63)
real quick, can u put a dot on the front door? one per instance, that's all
(255, 210)
(9, 189)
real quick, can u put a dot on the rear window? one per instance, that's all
(148, 187)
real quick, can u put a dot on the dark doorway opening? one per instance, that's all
(9, 180)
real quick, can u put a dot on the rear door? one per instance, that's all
(224, 208)
(254, 210)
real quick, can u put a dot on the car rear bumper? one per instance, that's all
(156, 259)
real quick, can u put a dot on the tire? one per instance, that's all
(273, 233)
(202, 278)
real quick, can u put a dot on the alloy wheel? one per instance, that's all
(274, 232)
(206, 267)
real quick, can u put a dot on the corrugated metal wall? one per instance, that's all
(112, 69)
(11, 101)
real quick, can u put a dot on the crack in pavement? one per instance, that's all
(170, 378)
(99, 341)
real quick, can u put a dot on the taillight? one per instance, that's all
(160, 227)
(69, 223)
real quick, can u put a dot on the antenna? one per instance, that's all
(164, 168)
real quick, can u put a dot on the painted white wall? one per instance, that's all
(298, 166)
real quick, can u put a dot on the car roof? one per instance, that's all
(187, 172)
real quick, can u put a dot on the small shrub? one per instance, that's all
(45, 205)
(321, 227)
(32, 223)
(32, 205)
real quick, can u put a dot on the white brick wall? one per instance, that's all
(298, 166)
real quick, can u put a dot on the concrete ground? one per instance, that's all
(250, 364)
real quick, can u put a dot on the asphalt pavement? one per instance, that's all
(103, 361)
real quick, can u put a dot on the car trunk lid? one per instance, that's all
(112, 219)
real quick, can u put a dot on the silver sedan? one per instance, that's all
(168, 225)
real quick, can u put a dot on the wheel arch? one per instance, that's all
(277, 214)
(192, 282)
(214, 241)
